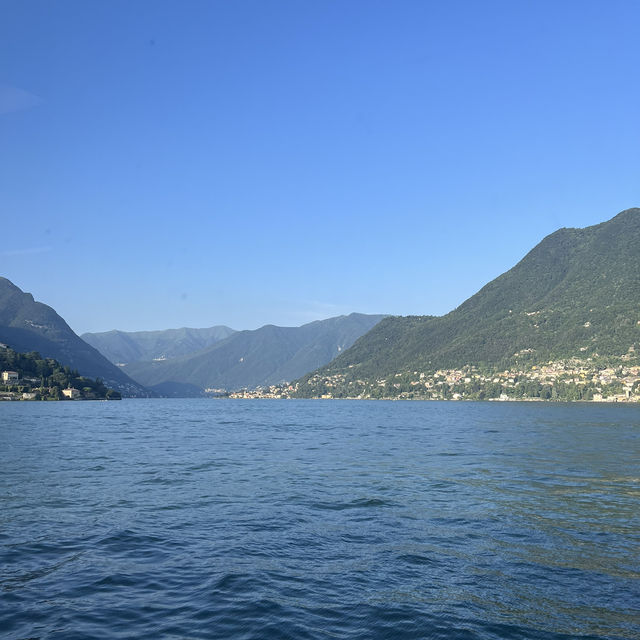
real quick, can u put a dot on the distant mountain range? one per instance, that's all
(177, 362)
(122, 347)
(27, 325)
(264, 356)
(575, 295)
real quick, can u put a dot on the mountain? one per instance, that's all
(27, 325)
(575, 295)
(126, 347)
(268, 355)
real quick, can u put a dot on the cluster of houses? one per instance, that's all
(572, 379)
(12, 378)
(271, 392)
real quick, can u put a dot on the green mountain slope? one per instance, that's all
(576, 294)
(126, 347)
(27, 325)
(44, 379)
(268, 355)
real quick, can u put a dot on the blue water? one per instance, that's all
(319, 519)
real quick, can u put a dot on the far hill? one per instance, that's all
(575, 295)
(268, 355)
(27, 325)
(123, 347)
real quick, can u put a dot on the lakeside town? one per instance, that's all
(29, 376)
(562, 380)
(16, 388)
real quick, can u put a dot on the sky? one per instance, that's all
(194, 163)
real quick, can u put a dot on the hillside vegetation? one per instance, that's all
(575, 295)
(265, 356)
(44, 379)
(27, 325)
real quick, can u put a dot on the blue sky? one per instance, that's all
(169, 164)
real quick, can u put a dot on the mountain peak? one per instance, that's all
(27, 325)
(575, 294)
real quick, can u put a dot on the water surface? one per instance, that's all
(319, 519)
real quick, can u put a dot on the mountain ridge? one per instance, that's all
(27, 325)
(263, 356)
(124, 347)
(577, 292)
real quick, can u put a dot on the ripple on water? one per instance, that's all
(358, 503)
(202, 519)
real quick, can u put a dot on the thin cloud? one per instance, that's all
(13, 99)
(26, 252)
(316, 310)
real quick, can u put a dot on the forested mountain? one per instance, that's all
(27, 325)
(264, 356)
(122, 347)
(576, 294)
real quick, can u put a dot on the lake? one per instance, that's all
(319, 519)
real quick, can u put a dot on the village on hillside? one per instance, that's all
(15, 387)
(562, 380)
(32, 377)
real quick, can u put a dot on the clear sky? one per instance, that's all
(167, 164)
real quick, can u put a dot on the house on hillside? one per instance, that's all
(9, 377)
(71, 393)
